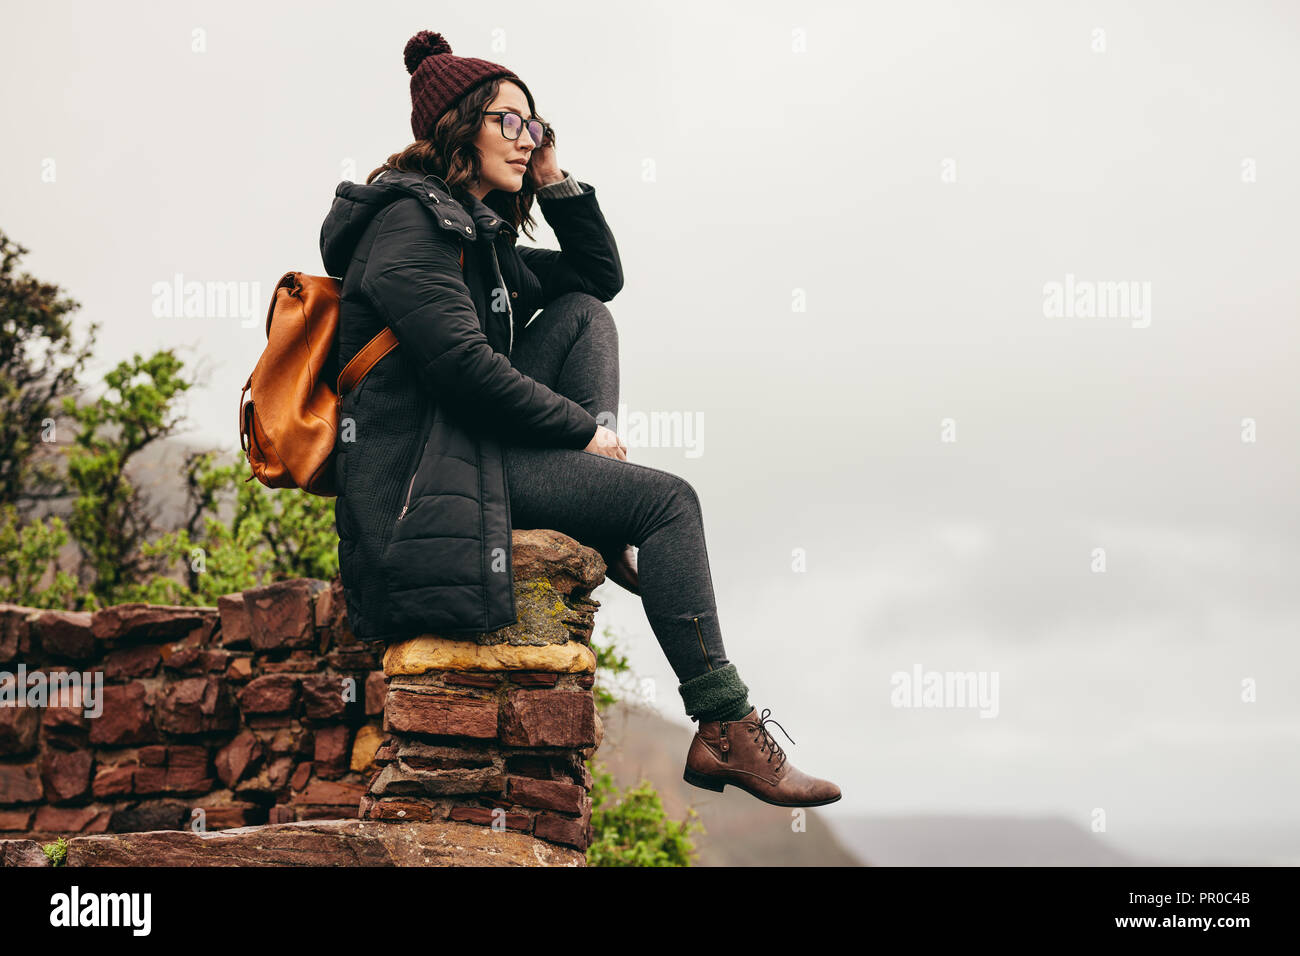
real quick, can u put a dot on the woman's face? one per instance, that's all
(503, 162)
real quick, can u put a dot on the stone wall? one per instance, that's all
(266, 710)
(497, 733)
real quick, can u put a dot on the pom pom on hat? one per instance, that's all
(423, 44)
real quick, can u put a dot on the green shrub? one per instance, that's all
(629, 827)
(632, 829)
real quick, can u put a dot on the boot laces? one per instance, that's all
(768, 742)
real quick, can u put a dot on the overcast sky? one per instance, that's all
(841, 226)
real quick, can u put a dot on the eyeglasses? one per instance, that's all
(512, 124)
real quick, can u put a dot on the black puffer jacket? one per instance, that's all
(423, 512)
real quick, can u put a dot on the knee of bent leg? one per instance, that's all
(671, 499)
(586, 308)
(684, 493)
(578, 301)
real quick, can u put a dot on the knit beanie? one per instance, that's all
(439, 79)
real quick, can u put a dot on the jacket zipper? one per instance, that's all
(510, 312)
(414, 472)
(406, 504)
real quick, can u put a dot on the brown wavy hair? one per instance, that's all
(449, 153)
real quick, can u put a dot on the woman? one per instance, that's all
(484, 420)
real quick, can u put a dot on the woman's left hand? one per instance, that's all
(543, 166)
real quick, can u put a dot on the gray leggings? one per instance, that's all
(572, 348)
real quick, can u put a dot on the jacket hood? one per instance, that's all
(356, 204)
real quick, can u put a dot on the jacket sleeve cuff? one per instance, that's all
(568, 186)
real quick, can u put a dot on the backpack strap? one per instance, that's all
(365, 360)
(371, 353)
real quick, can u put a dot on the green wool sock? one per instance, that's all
(716, 695)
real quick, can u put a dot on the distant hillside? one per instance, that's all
(979, 841)
(742, 831)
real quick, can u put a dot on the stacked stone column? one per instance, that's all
(494, 731)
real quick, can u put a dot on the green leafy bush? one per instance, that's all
(630, 827)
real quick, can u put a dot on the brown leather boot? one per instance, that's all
(742, 753)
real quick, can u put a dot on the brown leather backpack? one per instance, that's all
(288, 427)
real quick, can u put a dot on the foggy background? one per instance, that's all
(836, 223)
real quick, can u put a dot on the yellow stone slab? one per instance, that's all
(367, 742)
(421, 654)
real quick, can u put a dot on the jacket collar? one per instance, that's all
(488, 220)
(469, 219)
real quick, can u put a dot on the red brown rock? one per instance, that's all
(331, 843)
(281, 615)
(471, 679)
(20, 783)
(546, 794)
(22, 853)
(376, 692)
(231, 816)
(487, 817)
(125, 663)
(322, 697)
(439, 714)
(534, 678)
(19, 727)
(548, 718)
(410, 811)
(276, 693)
(92, 819)
(64, 635)
(331, 792)
(354, 658)
(300, 776)
(235, 628)
(544, 553)
(147, 622)
(15, 631)
(333, 754)
(113, 781)
(571, 831)
(14, 820)
(126, 718)
(194, 659)
(234, 760)
(65, 774)
(295, 662)
(198, 705)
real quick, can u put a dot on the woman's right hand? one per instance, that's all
(607, 443)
